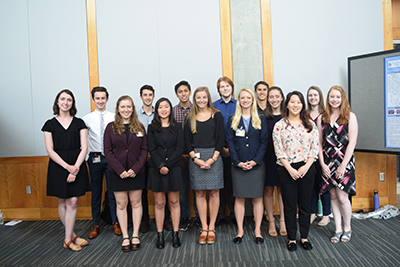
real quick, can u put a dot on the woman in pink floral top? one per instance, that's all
(296, 145)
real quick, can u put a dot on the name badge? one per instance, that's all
(139, 134)
(240, 132)
(96, 159)
(197, 155)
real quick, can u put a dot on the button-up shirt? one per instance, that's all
(226, 109)
(294, 144)
(180, 113)
(144, 118)
(92, 121)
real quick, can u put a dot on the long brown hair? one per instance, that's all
(195, 109)
(344, 114)
(134, 125)
(268, 109)
(321, 107)
(56, 108)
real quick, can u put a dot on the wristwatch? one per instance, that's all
(194, 158)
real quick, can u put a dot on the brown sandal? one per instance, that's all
(203, 238)
(82, 243)
(272, 232)
(211, 238)
(281, 231)
(75, 248)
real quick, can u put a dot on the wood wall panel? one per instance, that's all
(226, 38)
(396, 18)
(387, 24)
(266, 32)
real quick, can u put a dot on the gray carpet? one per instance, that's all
(39, 243)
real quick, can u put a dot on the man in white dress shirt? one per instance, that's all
(96, 123)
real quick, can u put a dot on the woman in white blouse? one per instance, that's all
(296, 145)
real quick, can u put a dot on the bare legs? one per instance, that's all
(239, 213)
(341, 207)
(173, 200)
(201, 203)
(269, 208)
(67, 209)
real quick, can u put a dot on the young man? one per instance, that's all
(96, 123)
(146, 115)
(227, 105)
(261, 91)
(183, 92)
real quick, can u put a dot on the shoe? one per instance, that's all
(167, 225)
(282, 229)
(198, 224)
(336, 237)
(237, 239)
(176, 243)
(203, 238)
(324, 221)
(126, 248)
(211, 238)
(220, 221)
(117, 229)
(312, 218)
(306, 245)
(185, 224)
(75, 248)
(292, 246)
(272, 229)
(94, 232)
(259, 240)
(135, 246)
(81, 243)
(160, 240)
(144, 227)
(346, 236)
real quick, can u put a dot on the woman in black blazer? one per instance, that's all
(165, 144)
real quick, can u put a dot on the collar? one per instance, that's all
(221, 100)
(144, 112)
(98, 112)
(189, 107)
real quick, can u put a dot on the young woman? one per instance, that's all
(273, 113)
(296, 146)
(67, 176)
(204, 138)
(125, 148)
(315, 108)
(165, 144)
(247, 140)
(338, 131)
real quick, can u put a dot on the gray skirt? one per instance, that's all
(248, 184)
(210, 179)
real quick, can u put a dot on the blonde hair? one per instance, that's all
(195, 109)
(134, 124)
(255, 119)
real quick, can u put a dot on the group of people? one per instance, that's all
(228, 151)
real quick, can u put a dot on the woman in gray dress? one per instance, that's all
(247, 140)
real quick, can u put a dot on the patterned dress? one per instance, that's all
(336, 139)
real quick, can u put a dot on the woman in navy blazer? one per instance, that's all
(125, 148)
(247, 140)
(165, 142)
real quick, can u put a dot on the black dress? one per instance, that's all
(272, 176)
(67, 144)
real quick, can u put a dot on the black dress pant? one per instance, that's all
(297, 193)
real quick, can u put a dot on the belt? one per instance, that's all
(96, 153)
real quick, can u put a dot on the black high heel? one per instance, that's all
(160, 240)
(176, 243)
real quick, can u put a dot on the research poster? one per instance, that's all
(392, 102)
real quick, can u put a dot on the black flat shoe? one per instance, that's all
(259, 240)
(306, 245)
(176, 243)
(237, 240)
(160, 240)
(291, 246)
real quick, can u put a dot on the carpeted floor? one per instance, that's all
(39, 243)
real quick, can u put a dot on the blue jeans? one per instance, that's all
(184, 194)
(97, 170)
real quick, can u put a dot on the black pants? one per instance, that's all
(297, 193)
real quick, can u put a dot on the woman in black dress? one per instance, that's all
(165, 144)
(67, 176)
(125, 148)
(204, 140)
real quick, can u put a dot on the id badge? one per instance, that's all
(197, 155)
(96, 159)
(139, 134)
(240, 132)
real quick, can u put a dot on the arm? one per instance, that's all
(178, 150)
(109, 150)
(324, 168)
(262, 147)
(313, 152)
(230, 139)
(152, 148)
(353, 132)
(139, 165)
(219, 138)
(84, 148)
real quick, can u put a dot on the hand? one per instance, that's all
(185, 159)
(209, 162)
(124, 175)
(325, 171)
(73, 169)
(200, 163)
(164, 170)
(294, 173)
(71, 178)
(225, 152)
(131, 173)
(302, 171)
(340, 171)
(148, 157)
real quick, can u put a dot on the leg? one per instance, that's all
(337, 216)
(269, 208)
(304, 191)
(184, 193)
(111, 196)
(135, 197)
(96, 183)
(159, 199)
(202, 207)
(326, 205)
(214, 206)
(345, 208)
(282, 223)
(230, 199)
(258, 209)
(173, 199)
(239, 212)
(144, 196)
(122, 202)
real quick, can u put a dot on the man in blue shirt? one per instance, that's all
(227, 106)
